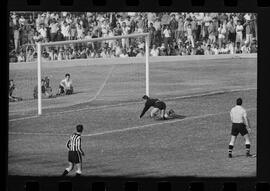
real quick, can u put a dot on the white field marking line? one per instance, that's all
(129, 103)
(211, 93)
(132, 128)
(160, 123)
(103, 85)
(46, 134)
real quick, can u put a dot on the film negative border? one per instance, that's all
(260, 183)
(229, 3)
(154, 5)
(143, 185)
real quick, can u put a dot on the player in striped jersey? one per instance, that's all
(75, 152)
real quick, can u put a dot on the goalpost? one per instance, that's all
(41, 45)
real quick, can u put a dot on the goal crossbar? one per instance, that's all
(94, 39)
(40, 45)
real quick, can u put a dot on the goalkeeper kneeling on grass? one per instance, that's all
(65, 86)
(157, 106)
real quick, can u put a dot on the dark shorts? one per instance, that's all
(62, 90)
(239, 128)
(74, 157)
(68, 92)
(160, 105)
(232, 37)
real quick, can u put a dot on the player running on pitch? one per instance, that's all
(239, 123)
(157, 106)
(75, 152)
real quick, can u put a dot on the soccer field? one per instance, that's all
(116, 142)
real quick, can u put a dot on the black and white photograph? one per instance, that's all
(132, 94)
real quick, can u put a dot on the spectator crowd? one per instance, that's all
(170, 34)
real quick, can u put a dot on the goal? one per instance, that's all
(40, 46)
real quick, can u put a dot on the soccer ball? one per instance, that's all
(171, 112)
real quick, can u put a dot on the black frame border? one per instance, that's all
(263, 95)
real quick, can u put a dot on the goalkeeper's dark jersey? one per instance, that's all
(153, 103)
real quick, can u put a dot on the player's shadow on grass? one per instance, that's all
(74, 93)
(243, 155)
(65, 95)
(179, 117)
(173, 117)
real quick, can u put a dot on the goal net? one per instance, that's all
(109, 71)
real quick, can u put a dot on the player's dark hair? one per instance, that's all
(145, 97)
(67, 75)
(239, 101)
(79, 128)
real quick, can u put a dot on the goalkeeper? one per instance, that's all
(157, 105)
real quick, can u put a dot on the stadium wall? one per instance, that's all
(129, 60)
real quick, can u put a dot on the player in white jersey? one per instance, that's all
(65, 86)
(240, 123)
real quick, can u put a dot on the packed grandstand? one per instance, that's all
(170, 34)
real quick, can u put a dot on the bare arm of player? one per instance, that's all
(68, 144)
(231, 116)
(247, 121)
(80, 148)
(63, 84)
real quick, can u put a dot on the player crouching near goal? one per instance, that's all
(157, 106)
(239, 123)
(11, 89)
(65, 86)
(75, 152)
(46, 90)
